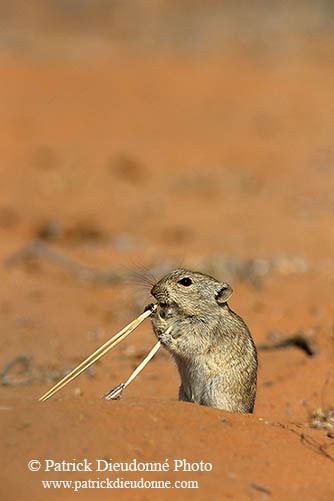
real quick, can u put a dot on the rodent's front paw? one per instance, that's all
(165, 338)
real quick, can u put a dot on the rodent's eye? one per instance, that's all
(186, 281)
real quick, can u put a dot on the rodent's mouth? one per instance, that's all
(163, 308)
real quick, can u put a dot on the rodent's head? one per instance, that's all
(192, 293)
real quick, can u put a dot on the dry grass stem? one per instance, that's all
(116, 392)
(100, 352)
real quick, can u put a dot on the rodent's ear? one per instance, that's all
(224, 293)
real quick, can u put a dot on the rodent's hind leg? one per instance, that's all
(222, 394)
(215, 395)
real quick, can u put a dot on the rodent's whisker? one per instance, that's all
(143, 277)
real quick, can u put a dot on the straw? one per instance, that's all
(116, 392)
(100, 352)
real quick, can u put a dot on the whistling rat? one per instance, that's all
(212, 346)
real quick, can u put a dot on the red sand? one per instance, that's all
(147, 157)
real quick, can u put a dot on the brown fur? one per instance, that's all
(212, 346)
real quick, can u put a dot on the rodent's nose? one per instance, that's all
(159, 293)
